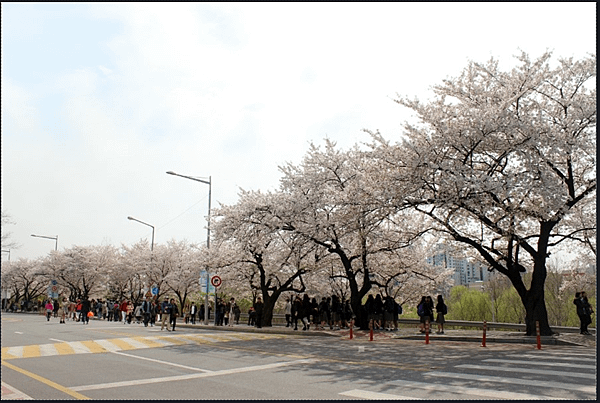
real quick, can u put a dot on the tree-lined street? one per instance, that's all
(116, 362)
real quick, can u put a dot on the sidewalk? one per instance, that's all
(411, 333)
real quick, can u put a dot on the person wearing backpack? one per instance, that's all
(421, 312)
(441, 309)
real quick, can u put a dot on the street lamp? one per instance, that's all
(7, 251)
(208, 182)
(48, 237)
(152, 244)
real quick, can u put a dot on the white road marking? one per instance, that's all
(514, 381)
(107, 345)
(16, 351)
(19, 332)
(365, 394)
(60, 341)
(79, 348)
(496, 394)
(538, 357)
(163, 362)
(188, 376)
(134, 343)
(18, 395)
(529, 371)
(538, 362)
(47, 350)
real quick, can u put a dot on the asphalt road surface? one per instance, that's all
(113, 361)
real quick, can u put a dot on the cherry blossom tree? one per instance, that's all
(254, 249)
(334, 200)
(501, 161)
(81, 269)
(184, 263)
(23, 279)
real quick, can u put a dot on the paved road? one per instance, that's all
(108, 360)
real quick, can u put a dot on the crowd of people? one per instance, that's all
(330, 312)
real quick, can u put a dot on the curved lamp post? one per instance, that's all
(48, 237)
(141, 222)
(208, 182)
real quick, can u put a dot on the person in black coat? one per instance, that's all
(258, 309)
(584, 311)
(85, 309)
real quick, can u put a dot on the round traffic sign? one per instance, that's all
(54, 288)
(215, 281)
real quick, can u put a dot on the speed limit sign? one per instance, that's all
(215, 281)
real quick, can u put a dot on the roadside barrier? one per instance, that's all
(484, 330)
(537, 332)
(426, 332)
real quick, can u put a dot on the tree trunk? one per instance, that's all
(535, 311)
(267, 316)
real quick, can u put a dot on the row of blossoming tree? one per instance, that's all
(500, 162)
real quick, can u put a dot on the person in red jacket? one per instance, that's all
(123, 309)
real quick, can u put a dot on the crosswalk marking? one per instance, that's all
(514, 381)
(365, 394)
(121, 344)
(545, 357)
(93, 347)
(529, 371)
(31, 351)
(64, 348)
(539, 362)
(47, 350)
(497, 394)
(78, 348)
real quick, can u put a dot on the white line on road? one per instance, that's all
(60, 341)
(537, 362)
(496, 394)
(188, 376)
(162, 362)
(47, 350)
(18, 395)
(529, 371)
(538, 357)
(19, 332)
(365, 394)
(514, 381)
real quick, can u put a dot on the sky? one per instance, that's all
(100, 100)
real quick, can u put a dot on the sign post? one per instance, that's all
(216, 282)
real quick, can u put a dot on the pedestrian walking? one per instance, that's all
(258, 308)
(55, 309)
(86, 307)
(64, 309)
(165, 315)
(49, 308)
(193, 311)
(146, 309)
(232, 306)
(584, 311)
(154, 308)
(174, 314)
(442, 309)
(288, 312)
(422, 311)
(251, 316)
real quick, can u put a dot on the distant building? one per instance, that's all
(465, 271)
